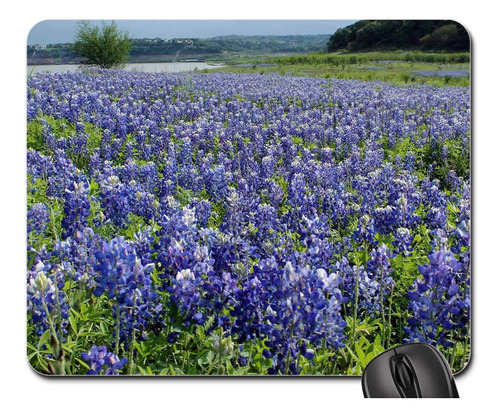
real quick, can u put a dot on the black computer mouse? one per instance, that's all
(414, 370)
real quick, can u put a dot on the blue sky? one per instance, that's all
(60, 31)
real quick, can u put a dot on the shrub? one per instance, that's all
(104, 47)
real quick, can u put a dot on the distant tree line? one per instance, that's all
(443, 35)
(191, 47)
(231, 44)
(55, 52)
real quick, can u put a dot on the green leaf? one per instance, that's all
(229, 367)
(43, 338)
(352, 353)
(84, 364)
(361, 354)
(139, 347)
(72, 322)
(241, 371)
(369, 356)
(202, 360)
(363, 341)
(41, 361)
(30, 346)
(142, 370)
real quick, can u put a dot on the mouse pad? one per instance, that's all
(246, 205)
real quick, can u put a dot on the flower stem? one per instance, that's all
(219, 371)
(117, 342)
(356, 296)
(384, 328)
(132, 344)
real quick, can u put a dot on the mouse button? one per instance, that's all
(431, 373)
(377, 378)
(404, 375)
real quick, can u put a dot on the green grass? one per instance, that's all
(364, 57)
(394, 67)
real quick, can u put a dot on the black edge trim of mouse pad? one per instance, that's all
(413, 392)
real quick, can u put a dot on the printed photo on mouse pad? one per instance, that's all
(246, 197)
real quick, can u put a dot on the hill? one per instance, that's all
(443, 35)
(178, 49)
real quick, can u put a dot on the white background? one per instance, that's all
(23, 391)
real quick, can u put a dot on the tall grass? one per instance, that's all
(360, 58)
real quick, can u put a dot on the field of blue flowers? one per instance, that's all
(239, 224)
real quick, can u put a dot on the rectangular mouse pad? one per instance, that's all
(231, 198)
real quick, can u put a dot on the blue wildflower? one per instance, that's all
(99, 359)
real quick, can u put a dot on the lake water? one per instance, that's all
(444, 73)
(141, 67)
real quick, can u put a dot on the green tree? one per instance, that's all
(104, 46)
(451, 37)
(340, 39)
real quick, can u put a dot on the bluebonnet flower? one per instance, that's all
(216, 181)
(371, 288)
(365, 232)
(379, 270)
(298, 305)
(385, 218)
(76, 208)
(99, 359)
(115, 200)
(453, 181)
(234, 221)
(185, 289)
(141, 202)
(439, 301)
(75, 256)
(403, 241)
(38, 218)
(304, 310)
(148, 177)
(143, 244)
(177, 237)
(330, 321)
(203, 209)
(76, 145)
(462, 231)
(409, 161)
(47, 303)
(435, 199)
(299, 186)
(122, 277)
(57, 170)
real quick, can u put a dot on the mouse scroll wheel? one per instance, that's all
(404, 375)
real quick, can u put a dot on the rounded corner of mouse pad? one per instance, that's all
(215, 214)
(465, 367)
